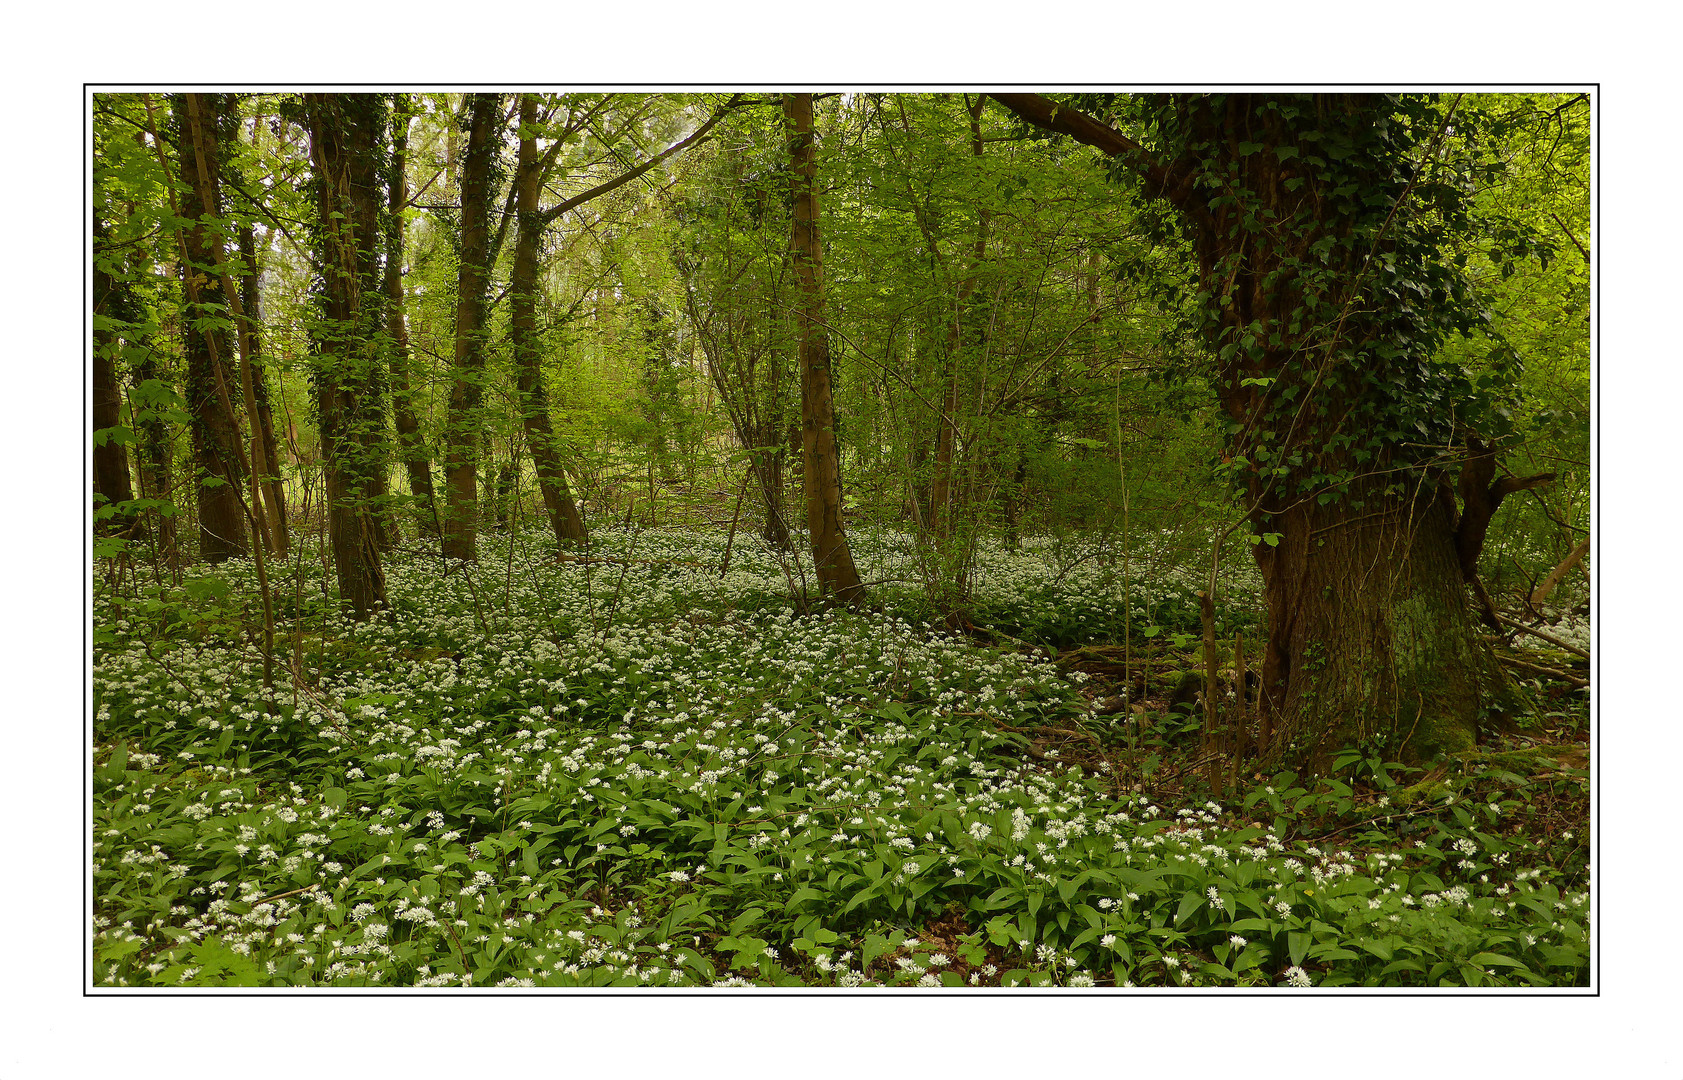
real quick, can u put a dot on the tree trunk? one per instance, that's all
(345, 132)
(462, 432)
(274, 491)
(155, 471)
(1370, 634)
(563, 514)
(941, 506)
(111, 458)
(411, 449)
(819, 452)
(217, 457)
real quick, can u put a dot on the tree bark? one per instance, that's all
(274, 488)
(345, 134)
(217, 457)
(563, 514)
(462, 432)
(411, 449)
(111, 482)
(819, 453)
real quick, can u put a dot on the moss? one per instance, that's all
(1533, 760)
(1432, 789)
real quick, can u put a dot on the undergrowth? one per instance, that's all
(643, 773)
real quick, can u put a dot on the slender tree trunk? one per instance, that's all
(462, 432)
(819, 452)
(411, 449)
(217, 457)
(959, 334)
(251, 298)
(274, 493)
(345, 132)
(563, 514)
(111, 458)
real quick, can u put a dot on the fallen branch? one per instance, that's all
(1550, 638)
(1559, 573)
(1540, 670)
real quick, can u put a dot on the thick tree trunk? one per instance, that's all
(217, 457)
(411, 449)
(819, 452)
(345, 132)
(563, 514)
(1370, 635)
(462, 432)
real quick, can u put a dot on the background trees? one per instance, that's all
(1329, 331)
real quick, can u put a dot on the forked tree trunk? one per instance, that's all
(565, 521)
(821, 464)
(410, 448)
(217, 456)
(462, 431)
(345, 132)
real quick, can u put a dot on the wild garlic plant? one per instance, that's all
(532, 773)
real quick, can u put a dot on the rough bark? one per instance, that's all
(821, 466)
(345, 134)
(563, 514)
(411, 449)
(217, 457)
(462, 432)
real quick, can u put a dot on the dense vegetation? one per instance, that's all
(841, 540)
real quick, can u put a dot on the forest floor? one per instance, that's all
(638, 770)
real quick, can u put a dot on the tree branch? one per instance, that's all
(625, 178)
(1163, 181)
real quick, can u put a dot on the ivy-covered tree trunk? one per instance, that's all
(217, 457)
(411, 450)
(1318, 230)
(565, 521)
(820, 454)
(462, 427)
(345, 131)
